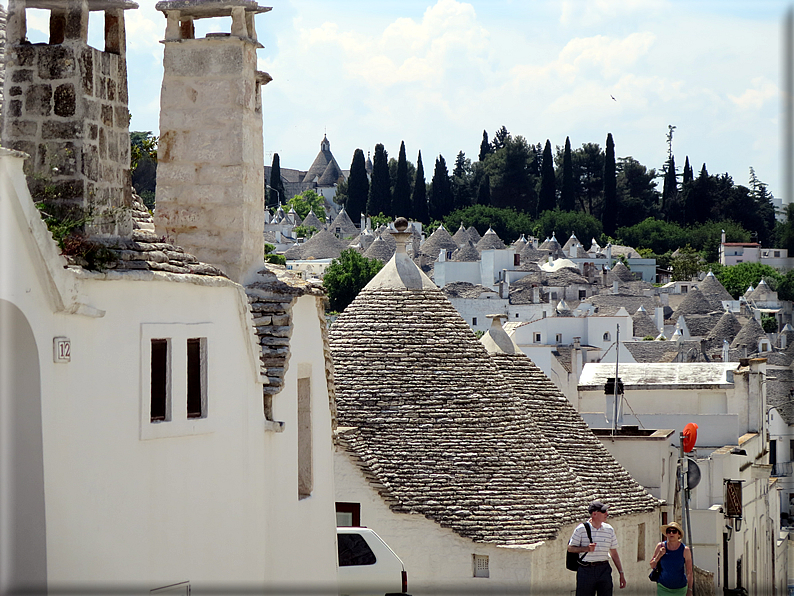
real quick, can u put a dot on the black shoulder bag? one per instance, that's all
(657, 571)
(573, 560)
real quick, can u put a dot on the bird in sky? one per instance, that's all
(613, 97)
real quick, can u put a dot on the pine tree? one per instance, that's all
(357, 187)
(609, 214)
(461, 181)
(401, 199)
(547, 200)
(484, 191)
(568, 191)
(441, 200)
(276, 194)
(380, 187)
(500, 138)
(419, 197)
(485, 147)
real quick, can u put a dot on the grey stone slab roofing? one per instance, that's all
(572, 241)
(626, 251)
(702, 325)
(438, 240)
(323, 245)
(2, 57)
(464, 289)
(380, 250)
(466, 253)
(609, 304)
(694, 303)
(474, 234)
(313, 220)
(621, 273)
(145, 250)
(780, 392)
(643, 324)
(714, 291)
(530, 254)
(490, 241)
(461, 237)
(437, 429)
(345, 225)
(657, 351)
(749, 335)
(596, 470)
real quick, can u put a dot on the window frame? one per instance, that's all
(176, 421)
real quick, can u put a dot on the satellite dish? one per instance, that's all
(690, 436)
(692, 473)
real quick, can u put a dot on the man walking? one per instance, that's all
(594, 576)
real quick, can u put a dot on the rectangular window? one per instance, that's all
(196, 378)
(684, 289)
(158, 410)
(537, 338)
(777, 254)
(516, 260)
(348, 514)
(582, 294)
(304, 438)
(559, 338)
(480, 563)
(641, 542)
(474, 320)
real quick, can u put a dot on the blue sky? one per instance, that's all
(436, 73)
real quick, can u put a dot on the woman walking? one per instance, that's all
(677, 577)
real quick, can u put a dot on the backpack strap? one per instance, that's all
(589, 538)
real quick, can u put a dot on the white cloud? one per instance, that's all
(762, 91)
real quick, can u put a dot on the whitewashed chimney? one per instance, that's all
(615, 288)
(210, 172)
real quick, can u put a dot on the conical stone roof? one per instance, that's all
(321, 164)
(379, 250)
(313, 220)
(762, 292)
(490, 241)
(437, 427)
(344, 224)
(461, 237)
(572, 241)
(438, 240)
(474, 235)
(597, 471)
(620, 273)
(749, 335)
(694, 303)
(323, 245)
(466, 253)
(728, 327)
(714, 291)
(643, 324)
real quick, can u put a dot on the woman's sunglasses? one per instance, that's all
(671, 531)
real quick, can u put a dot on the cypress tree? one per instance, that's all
(670, 186)
(380, 185)
(609, 215)
(547, 200)
(484, 191)
(688, 174)
(485, 147)
(357, 186)
(441, 199)
(568, 191)
(419, 197)
(401, 199)
(276, 194)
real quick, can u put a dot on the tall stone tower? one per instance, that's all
(210, 171)
(66, 106)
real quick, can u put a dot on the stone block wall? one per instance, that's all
(66, 106)
(210, 172)
(2, 59)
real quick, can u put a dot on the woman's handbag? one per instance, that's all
(656, 573)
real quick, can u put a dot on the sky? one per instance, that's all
(436, 73)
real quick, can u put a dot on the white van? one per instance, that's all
(367, 566)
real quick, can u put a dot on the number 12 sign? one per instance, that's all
(61, 349)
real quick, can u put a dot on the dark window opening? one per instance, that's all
(354, 550)
(516, 260)
(348, 514)
(582, 294)
(474, 320)
(195, 379)
(159, 380)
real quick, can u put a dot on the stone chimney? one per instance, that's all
(615, 287)
(67, 108)
(576, 358)
(210, 172)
